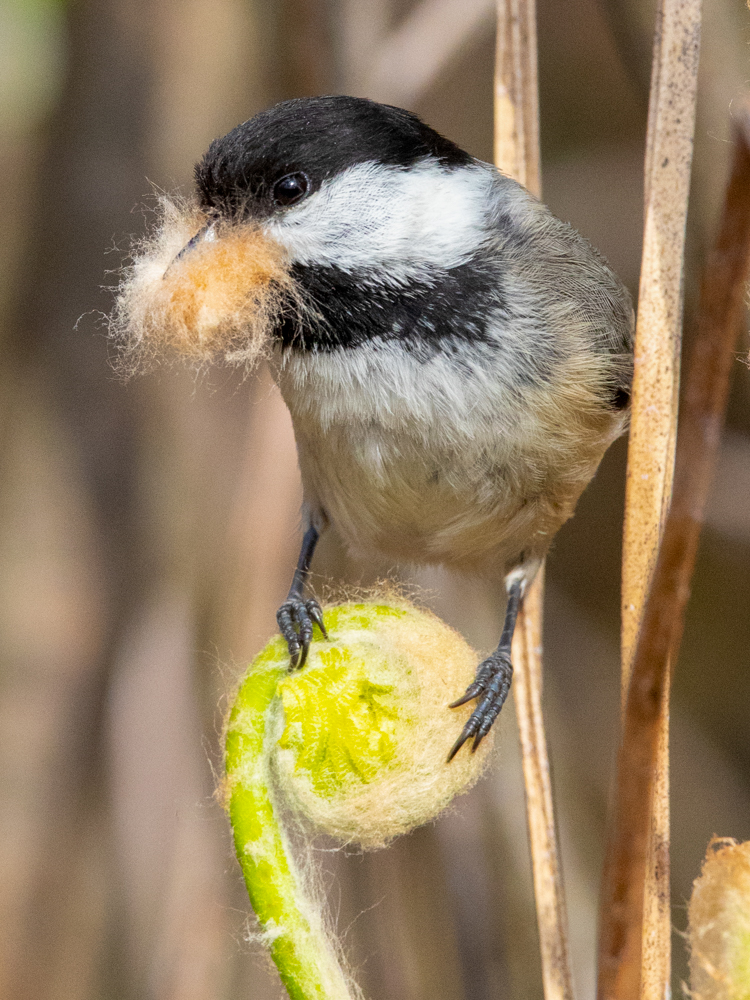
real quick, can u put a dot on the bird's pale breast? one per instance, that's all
(422, 463)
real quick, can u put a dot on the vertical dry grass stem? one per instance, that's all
(517, 94)
(548, 891)
(717, 325)
(624, 962)
(517, 154)
(718, 322)
(669, 153)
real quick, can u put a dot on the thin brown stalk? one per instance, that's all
(669, 148)
(634, 942)
(517, 154)
(655, 387)
(517, 94)
(717, 327)
(548, 889)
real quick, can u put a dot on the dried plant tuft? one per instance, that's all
(218, 300)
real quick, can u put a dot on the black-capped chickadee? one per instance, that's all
(455, 359)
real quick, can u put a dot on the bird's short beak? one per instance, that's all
(205, 235)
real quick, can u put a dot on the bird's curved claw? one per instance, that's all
(296, 619)
(491, 687)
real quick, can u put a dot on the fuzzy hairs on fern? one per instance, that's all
(354, 745)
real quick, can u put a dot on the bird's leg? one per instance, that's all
(296, 616)
(492, 682)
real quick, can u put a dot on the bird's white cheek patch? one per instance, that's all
(219, 299)
(402, 222)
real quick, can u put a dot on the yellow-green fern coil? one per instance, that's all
(719, 924)
(356, 743)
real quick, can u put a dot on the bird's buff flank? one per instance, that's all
(356, 744)
(220, 300)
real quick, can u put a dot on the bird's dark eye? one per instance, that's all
(291, 188)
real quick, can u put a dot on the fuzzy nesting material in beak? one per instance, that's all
(200, 291)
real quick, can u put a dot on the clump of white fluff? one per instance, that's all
(218, 300)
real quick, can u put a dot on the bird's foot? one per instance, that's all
(296, 619)
(491, 687)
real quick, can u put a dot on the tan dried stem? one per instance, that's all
(669, 149)
(717, 327)
(517, 154)
(517, 94)
(653, 422)
(548, 888)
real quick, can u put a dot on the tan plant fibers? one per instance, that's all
(426, 665)
(218, 300)
(719, 924)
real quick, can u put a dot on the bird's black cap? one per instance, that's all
(319, 136)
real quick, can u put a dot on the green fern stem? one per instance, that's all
(303, 953)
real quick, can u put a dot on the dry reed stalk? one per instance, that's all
(517, 94)
(517, 154)
(548, 887)
(717, 325)
(653, 424)
(635, 927)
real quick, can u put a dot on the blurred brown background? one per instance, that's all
(148, 529)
